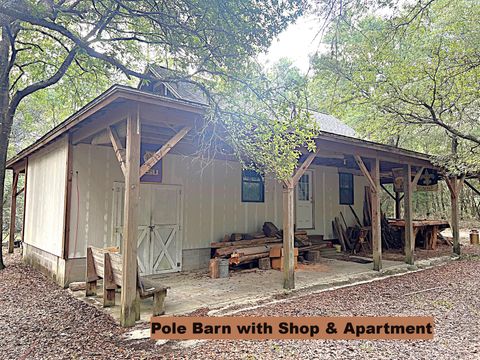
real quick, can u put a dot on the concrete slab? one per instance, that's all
(191, 291)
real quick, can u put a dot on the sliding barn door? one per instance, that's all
(159, 227)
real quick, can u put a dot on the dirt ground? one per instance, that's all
(38, 320)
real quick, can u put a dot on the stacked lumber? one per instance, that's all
(277, 257)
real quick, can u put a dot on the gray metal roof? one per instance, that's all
(331, 124)
(182, 89)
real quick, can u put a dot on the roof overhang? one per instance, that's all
(114, 93)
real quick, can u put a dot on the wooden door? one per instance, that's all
(304, 201)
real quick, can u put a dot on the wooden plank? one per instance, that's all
(288, 235)
(365, 172)
(376, 215)
(130, 227)
(163, 150)
(13, 212)
(301, 170)
(409, 233)
(117, 147)
(109, 285)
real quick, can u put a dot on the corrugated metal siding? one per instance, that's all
(46, 182)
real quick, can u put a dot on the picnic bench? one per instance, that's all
(427, 230)
(107, 265)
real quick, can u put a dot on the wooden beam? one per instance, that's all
(301, 170)
(13, 212)
(474, 189)
(163, 150)
(20, 191)
(417, 177)
(376, 215)
(288, 237)
(365, 172)
(387, 191)
(130, 223)
(117, 147)
(450, 186)
(409, 235)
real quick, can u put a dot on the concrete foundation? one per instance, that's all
(195, 259)
(59, 270)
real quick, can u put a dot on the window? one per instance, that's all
(345, 184)
(252, 186)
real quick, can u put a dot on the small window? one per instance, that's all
(252, 186)
(345, 182)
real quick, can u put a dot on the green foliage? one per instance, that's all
(410, 80)
(266, 119)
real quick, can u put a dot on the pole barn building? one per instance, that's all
(124, 172)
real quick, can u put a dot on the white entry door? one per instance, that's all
(304, 201)
(159, 238)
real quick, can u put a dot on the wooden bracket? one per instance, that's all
(387, 191)
(163, 150)
(117, 146)
(301, 170)
(417, 177)
(455, 185)
(365, 172)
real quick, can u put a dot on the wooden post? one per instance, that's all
(13, 211)
(409, 234)
(454, 192)
(398, 207)
(376, 215)
(129, 251)
(288, 238)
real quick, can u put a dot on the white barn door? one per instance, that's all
(159, 227)
(304, 201)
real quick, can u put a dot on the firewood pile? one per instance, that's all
(247, 248)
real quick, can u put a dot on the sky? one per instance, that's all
(296, 43)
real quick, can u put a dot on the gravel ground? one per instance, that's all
(40, 321)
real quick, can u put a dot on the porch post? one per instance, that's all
(398, 212)
(129, 251)
(455, 188)
(409, 235)
(288, 238)
(376, 216)
(13, 211)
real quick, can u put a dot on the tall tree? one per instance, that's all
(42, 41)
(412, 74)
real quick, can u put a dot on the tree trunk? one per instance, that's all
(6, 119)
(5, 127)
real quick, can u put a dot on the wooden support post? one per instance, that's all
(455, 187)
(409, 234)
(376, 215)
(13, 212)
(130, 227)
(398, 206)
(288, 238)
(91, 276)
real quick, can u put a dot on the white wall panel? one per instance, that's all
(46, 182)
(211, 193)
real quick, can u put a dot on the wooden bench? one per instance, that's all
(107, 265)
